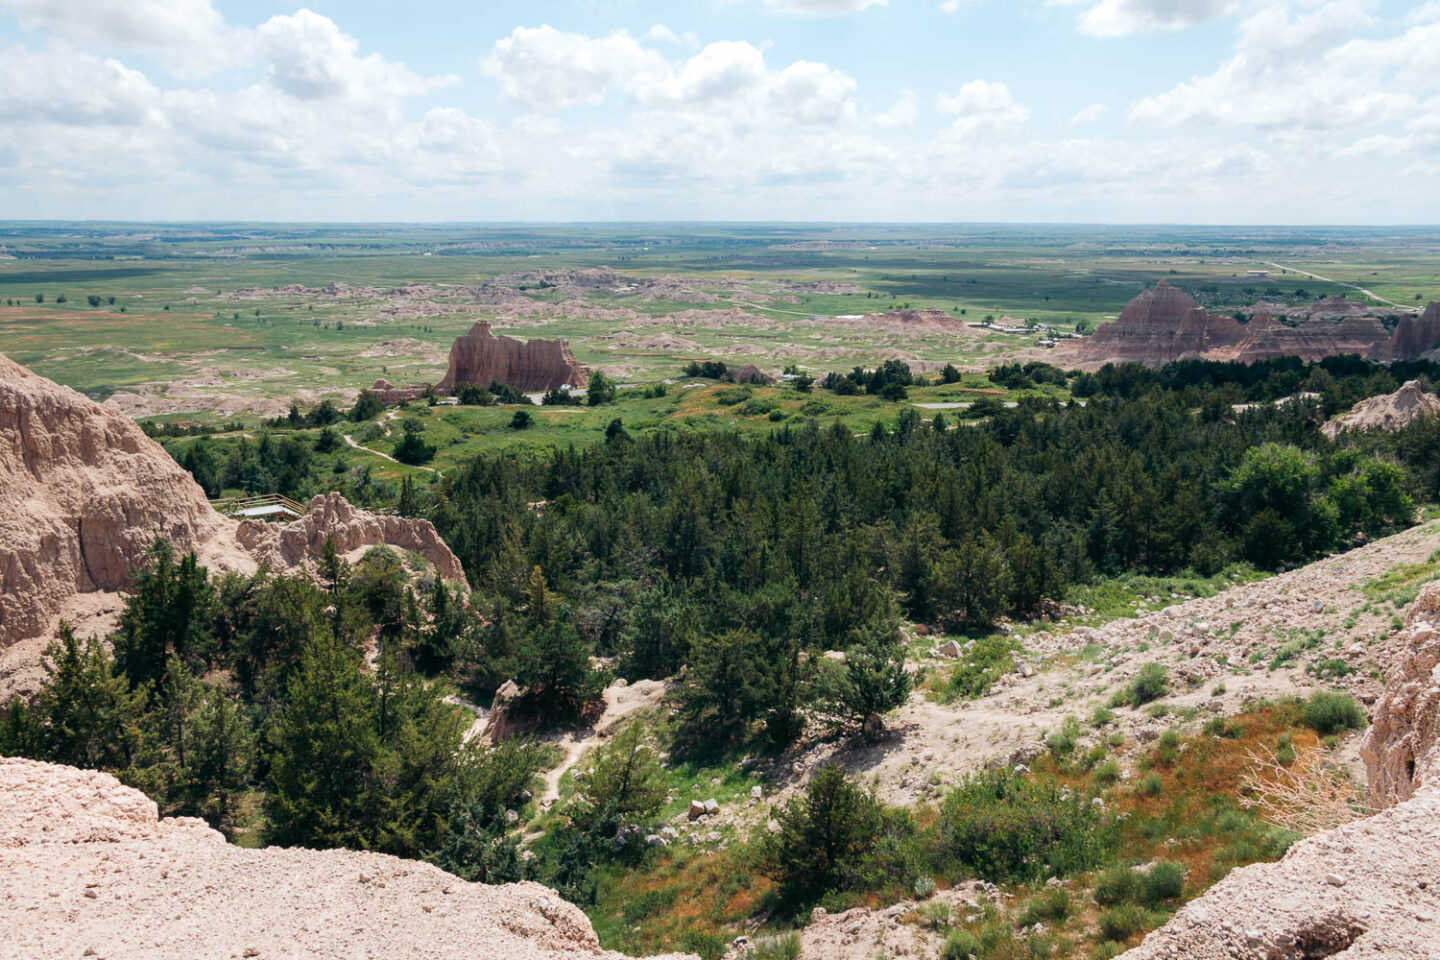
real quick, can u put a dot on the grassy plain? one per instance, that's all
(181, 320)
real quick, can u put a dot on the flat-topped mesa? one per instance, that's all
(1415, 337)
(1160, 326)
(479, 357)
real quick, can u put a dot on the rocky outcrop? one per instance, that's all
(1400, 748)
(1365, 889)
(937, 321)
(1389, 411)
(87, 869)
(1165, 325)
(331, 517)
(1265, 338)
(83, 495)
(1158, 327)
(480, 357)
(1415, 337)
(387, 392)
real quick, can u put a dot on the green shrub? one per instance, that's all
(1165, 881)
(1285, 750)
(1106, 950)
(1001, 826)
(1116, 885)
(1328, 712)
(1051, 906)
(1150, 684)
(1151, 785)
(987, 660)
(960, 945)
(729, 396)
(1107, 773)
(786, 946)
(1121, 922)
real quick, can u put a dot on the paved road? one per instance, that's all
(1353, 286)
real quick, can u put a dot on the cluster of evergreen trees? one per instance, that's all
(256, 687)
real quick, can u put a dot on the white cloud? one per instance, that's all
(981, 107)
(73, 89)
(309, 58)
(902, 113)
(546, 69)
(823, 8)
(1090, 114)
(1123, 18)
(192, 34)
(542, 67)
(663, 34)
(1293, 71)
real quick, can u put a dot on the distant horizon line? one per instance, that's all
(720, 223)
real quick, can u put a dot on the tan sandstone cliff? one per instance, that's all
(83, 495)
(480, 357)
(1370, 888)
(87, 870)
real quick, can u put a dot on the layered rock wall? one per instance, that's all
(480, 357)
(83, 494)
(1157, 327)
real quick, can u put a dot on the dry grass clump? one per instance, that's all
(1309, 794)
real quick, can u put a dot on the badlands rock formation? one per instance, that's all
(331, 517)
(85, 494)
(479, 357)
(1165, 325)
(1366, 889)
(1415, 337)
(87, 869)
(1159, 326)
(1389, 411)
(1265, 338)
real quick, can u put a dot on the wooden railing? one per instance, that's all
(269, 504)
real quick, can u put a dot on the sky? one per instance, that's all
(1091, 111)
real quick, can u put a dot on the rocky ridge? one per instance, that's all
(1415, 337)
(88, 869)
(86, 493)
(480, 357)
(1164, 324)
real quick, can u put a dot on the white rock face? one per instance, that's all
(87, 869)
